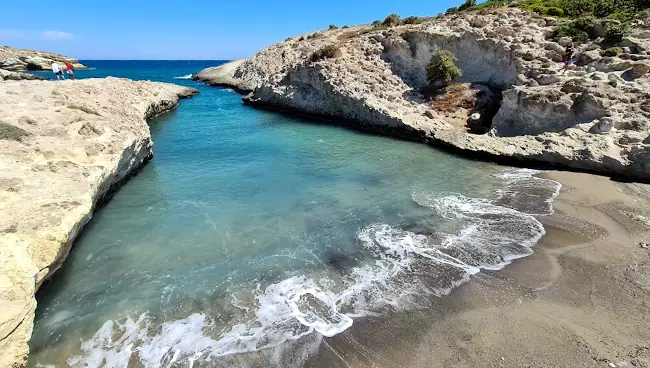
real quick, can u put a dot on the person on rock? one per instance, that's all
(56, 68)
(567, 59)
(70, 70)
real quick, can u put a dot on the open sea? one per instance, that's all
(252, 236)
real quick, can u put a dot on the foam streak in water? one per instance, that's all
(406, 268)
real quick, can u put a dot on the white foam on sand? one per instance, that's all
(490, 236)
(523, 191)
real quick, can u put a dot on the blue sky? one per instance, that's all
(163, 29)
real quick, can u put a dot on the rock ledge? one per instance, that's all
(64, 146)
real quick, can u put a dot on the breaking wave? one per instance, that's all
(403, 271)
(189, 76)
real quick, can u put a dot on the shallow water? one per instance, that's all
(250, 231)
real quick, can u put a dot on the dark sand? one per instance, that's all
(581, 300)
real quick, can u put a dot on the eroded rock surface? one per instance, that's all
(16, 60)
(63, 147)
(9, 75)
(595, 117)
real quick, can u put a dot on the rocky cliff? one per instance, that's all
(9, 75)
(63, 147)
(595, 117)
(16, 60)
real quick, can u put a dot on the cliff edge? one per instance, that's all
(64, 146)
(18, 60)
(594, 117)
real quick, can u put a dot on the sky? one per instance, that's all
(175, 30)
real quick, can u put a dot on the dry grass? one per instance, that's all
(327, 52)
(454, 97)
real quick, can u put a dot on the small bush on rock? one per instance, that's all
(452, 10)
(579, 30)
(466, 5)
(391, 20)
(616, 33)
(332, 26)
(14, 133)
(546, 65)
(327, 52)
(442, 70)
(412, 20)
(555, 12)
(612, 51)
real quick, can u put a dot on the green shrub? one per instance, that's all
(452, 10)
(442, 70)
(412, 20)
(616, 33)
(578, 8)
(466, 5)
(391, 20)
(612, 51)
(555, 12)
(546, 64)
(488, 4)
(377, 23)
(345, 27)
(327, 52)
(580, 30)
(603, 8)
(586, 24)
(14, 133)
(569, 30)
(621, 16)
(314, 35)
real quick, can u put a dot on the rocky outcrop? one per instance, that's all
(16, 60)
(60, 155)
(545, 116)
(8, 75)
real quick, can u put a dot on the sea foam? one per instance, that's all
(405, 270)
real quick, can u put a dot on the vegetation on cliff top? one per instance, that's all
(580, 15)
(565, 8)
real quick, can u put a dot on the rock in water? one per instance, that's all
(60, 154)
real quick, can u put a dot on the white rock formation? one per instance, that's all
(63, 147)
(16, 60)
(545, 116)
(9, 75)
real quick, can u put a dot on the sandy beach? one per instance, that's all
(581, 300)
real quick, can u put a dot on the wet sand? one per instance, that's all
(581, 300)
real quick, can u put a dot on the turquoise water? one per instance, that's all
(251, 230)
